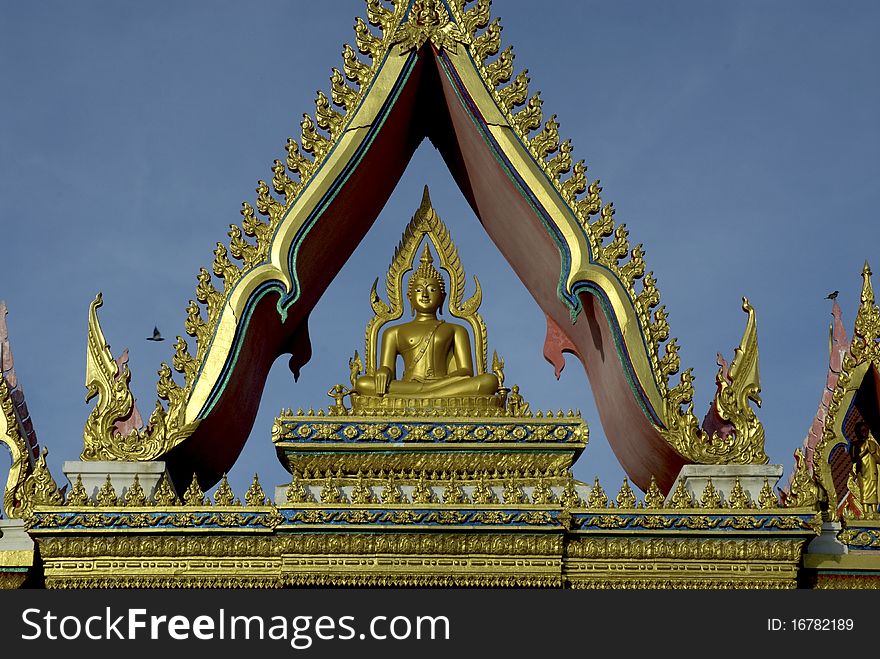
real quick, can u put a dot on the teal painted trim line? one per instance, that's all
(571, 301)
(287, 300)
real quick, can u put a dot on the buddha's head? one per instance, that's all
(427, 289)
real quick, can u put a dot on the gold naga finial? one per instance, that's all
(743, 375)
(804, 490)
(109, 381)
(739, 437)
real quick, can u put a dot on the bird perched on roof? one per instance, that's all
(831, 296)
(156, 335)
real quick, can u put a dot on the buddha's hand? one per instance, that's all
(383, 377)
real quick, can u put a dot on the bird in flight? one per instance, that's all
(156, 335)
(831, 296)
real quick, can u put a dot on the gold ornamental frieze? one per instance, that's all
(695, 562)
(847, 582)
(366, 444)
(407, 528)
(564, 429)
(861, 534)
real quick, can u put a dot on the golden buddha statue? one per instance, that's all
(866, 465)
(445, 364)
(437, 357)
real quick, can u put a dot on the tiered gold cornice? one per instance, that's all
(416, 529)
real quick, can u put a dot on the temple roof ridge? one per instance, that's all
(16, 391)
(16, 427)
(838, 346)
(824, 453)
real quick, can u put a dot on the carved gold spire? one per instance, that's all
(865, 345)
(78, 495)
(224, 496)
(626, 498)
(867, 296)
(194, 496)
(255, 496)
(653, 496)
(803, 491)
(135, 495)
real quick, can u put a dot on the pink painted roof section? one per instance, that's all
(133, 421)
(7, 368)
(839, 347)
(713, 422)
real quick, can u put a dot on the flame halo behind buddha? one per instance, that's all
(438, 361)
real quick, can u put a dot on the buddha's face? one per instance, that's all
(425, 295)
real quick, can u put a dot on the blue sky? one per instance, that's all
(739, 142)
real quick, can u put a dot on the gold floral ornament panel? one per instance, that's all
(429, 20)
(39, 488)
